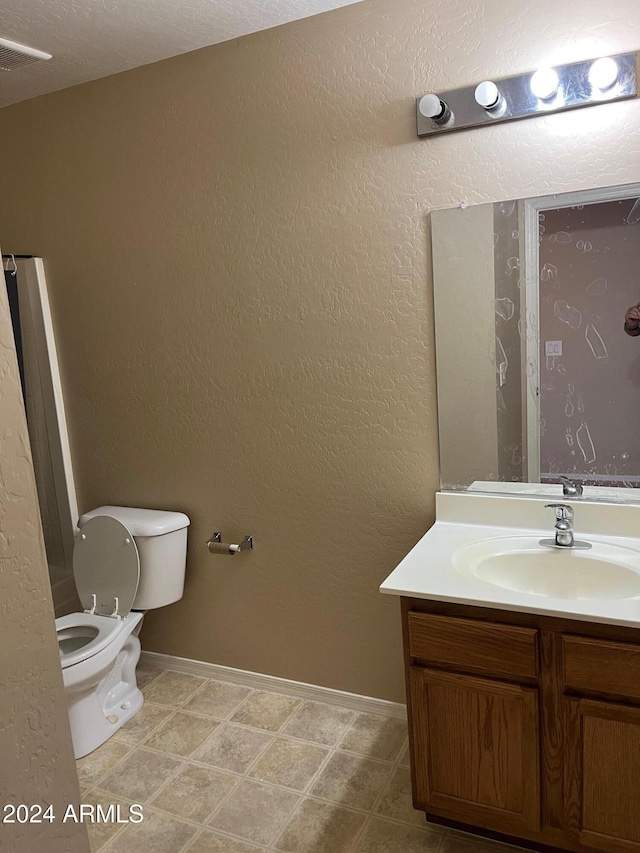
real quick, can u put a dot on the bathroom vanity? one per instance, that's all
(521, 605)
(524, 707)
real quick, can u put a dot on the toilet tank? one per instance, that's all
(161, 538)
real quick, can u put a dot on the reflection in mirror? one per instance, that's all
(537, 310)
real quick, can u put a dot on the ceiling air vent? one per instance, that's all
(14, 55)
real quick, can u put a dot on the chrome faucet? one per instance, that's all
(564, 525)
(564, 529)
(571, 488)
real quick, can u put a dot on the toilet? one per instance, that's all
(125, 561)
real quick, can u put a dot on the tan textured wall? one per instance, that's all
(36, 756)
(237, 249)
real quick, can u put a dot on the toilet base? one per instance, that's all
(99, 710)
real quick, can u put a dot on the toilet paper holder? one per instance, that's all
(217, 546)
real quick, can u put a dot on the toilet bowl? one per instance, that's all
(122, 557)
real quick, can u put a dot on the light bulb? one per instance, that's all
(431, 106)
(544, 84)
(603, 73)
(487, 95)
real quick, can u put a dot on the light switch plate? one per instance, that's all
(553, 348)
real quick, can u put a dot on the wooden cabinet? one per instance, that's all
(525, 727)
(478, 745)
(603, 768)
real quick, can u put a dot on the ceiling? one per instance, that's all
(95, 38)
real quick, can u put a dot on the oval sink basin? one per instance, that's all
(521, 564)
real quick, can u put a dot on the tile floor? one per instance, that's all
(220, 767)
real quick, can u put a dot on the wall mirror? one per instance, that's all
(32, 324)
(538, 373)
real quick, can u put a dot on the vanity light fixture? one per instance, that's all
(603, 73)
(543, 92)
(544, 84)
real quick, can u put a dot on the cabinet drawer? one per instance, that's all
(467, 644)
(599, 666)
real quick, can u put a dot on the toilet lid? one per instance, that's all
(106, 564)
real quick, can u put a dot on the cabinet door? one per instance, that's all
(476, 750)
(602, 796)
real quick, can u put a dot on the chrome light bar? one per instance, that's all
(547, 90)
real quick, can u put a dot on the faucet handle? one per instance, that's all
(570, 487)
(564, 512)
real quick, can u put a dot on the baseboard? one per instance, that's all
(258, 681)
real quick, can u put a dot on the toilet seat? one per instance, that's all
(106, 567)
(79, 626)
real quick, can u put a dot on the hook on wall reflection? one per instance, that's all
(13, 271)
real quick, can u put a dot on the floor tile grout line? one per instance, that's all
(191, 841)
(242, 776)
(277, 733)
(182, 762)
(234, 837)
(219, 805)
(96, 782)
(299, 703)
(259, 755)
(174, 672)
(332, 751)
(119, 831)
(214, 733)
(283, 736)
(347, 730)
(157, 675)
(214, 681)
(319, 771)
(188, 757)
(305, 793)
(361, 834)
(259, 848)
(247, 840)
(277, 784)
(220, 717)
(179, 769)
(148, 735)
(285, 822)
(364, 755)
(374, 805)
(110, 841)
(154, 809)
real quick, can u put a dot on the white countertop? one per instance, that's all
(464, 518)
